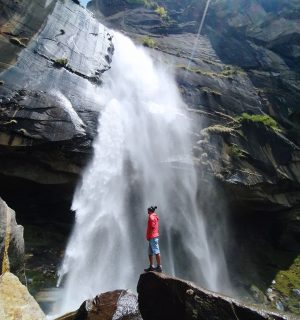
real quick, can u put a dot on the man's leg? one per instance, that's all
(151, 260)
(157, 256)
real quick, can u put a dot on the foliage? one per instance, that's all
(207, 90)
(162, 12)
(235, 151)
(286, 281)
(62, 62)
(232, 70)
(149, 42)
(261, 118)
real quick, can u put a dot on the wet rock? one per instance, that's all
(114, 305)
(15, 301)
(12, 249)
(162, 297)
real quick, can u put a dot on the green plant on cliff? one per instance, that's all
(162, 12)
(62, 62)
(234, 151)
(148, 42)
(260, 118)
(287, 282)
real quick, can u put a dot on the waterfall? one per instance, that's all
(142, 157)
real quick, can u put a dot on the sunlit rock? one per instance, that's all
(15, 301)
(11, 242)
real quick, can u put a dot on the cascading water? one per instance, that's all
(142, 157)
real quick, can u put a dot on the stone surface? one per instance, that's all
(162, 298)
(12, 249)
(113, 305)
(15, 301)
(47, 96)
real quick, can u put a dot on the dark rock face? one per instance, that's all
(12, 248)
(163, 298)
(116, 305)
(54, 55)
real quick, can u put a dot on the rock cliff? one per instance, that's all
(240, 81)
(54, 53)
(162, 298)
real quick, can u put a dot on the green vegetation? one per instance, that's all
(260, 118)
(149, 42)
(207, 90)
(223, 74)
(61, 62)
(234, 151)
(232, 70)
(162, 12)
(286, 281)
(20, 42)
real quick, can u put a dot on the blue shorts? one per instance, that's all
(153, 247)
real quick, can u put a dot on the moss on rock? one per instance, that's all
(287, 284)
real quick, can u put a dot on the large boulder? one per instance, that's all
(116, 305)
(15, 301)
(162, 298)
(11, 242)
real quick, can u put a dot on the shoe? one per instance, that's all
(158, 269)
(149, 269)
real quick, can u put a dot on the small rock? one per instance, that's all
(296, 292)
(279, 305)
(273, 282)
(190, 292)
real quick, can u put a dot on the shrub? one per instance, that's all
(261, 118)
(162, 12)
(149, 42)
(234, 151)
(61, 62)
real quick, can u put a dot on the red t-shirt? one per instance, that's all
(152, 227)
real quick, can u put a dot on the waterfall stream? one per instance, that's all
(142, 157)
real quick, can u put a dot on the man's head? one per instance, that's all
(151, 209)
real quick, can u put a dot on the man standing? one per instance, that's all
(153, 238)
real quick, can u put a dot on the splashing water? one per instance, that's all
(142, 157)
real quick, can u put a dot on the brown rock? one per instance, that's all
(165, 298)
(113, 305)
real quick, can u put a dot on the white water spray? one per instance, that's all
(142, 157)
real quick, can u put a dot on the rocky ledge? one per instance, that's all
(165, 298)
